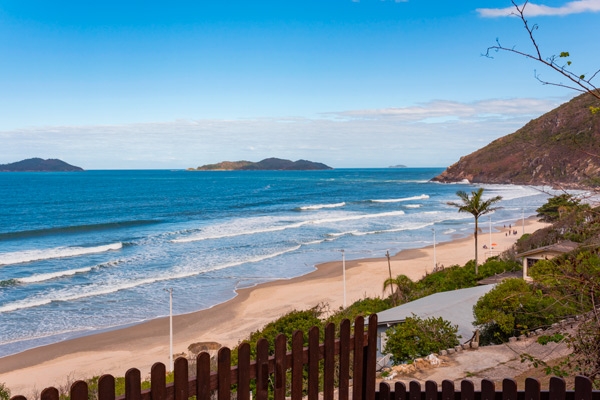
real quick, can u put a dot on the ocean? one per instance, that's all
(89, 251)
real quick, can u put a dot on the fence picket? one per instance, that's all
(243, 370)
(329, 363)
(358, 373)
(370, 359)
(106, 387)
(297, 364)
(414, 390)
(262, 370)
(509, 389)
(384, 391)
(313, 363)
(447, 390)
(400, 391)
(488, 390)
(532, 389)
(202, 377)
(583, 388)
(79, 391)
(280, 367)
(344, 359)
(431, 390)
(133, 384)
(467, 390)
(557, 389)
(158, 377)
(224, 377)
(180, 384)
(354, 353)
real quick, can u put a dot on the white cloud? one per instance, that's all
(534, 10)
(436, 133)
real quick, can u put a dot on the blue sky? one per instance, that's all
(369, 83)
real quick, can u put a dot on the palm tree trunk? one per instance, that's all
(476, 246)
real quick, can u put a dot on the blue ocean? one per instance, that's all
(89, 251)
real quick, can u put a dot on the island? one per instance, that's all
(39, 165)
(398, 166)
(268, 164)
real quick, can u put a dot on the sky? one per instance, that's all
(150, 84)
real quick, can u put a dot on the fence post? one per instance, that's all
(181, 379)
(414, 390)
(384, 391)
(223, 373)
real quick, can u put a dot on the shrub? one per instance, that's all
(417, 337)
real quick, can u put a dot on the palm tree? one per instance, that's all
(476, 206)
(404, 286)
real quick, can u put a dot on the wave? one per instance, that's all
(96, 290)
(320, 206)
(399, 229)
(413, 206)
(20, 257)
(353, 217)
(74, 229)
(421, 197)
(53, 275)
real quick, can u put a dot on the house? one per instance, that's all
(455, 306)
(545, 253)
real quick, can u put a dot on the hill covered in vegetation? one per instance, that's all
(560, 148)
(268, 164)
(39, 165)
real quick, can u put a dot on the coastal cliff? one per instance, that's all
(39, 165)
(560, 148)
(268, 164)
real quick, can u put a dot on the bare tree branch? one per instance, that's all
(578, 81)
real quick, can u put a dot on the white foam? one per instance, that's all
(321, 206)
(421, 197)
(57, 252)
(53, 275)
(413, 206)
(78, 293)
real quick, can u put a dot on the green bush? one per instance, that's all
(4, 391)
(417, 337)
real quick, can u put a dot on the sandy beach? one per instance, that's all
(140, 346)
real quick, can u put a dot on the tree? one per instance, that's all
(477, 206)
(4, 391)
(556, 206)
(559, 63)
(404, 287)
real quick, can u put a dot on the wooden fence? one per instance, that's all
(343, 369)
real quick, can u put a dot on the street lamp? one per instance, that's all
(344, 274)
(170, 290)
(434, 258)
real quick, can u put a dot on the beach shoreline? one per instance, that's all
(141, 345)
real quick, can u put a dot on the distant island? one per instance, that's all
(398, 166)
(39, 165)
(268, 164)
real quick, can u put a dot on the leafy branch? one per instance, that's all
(559, 63)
